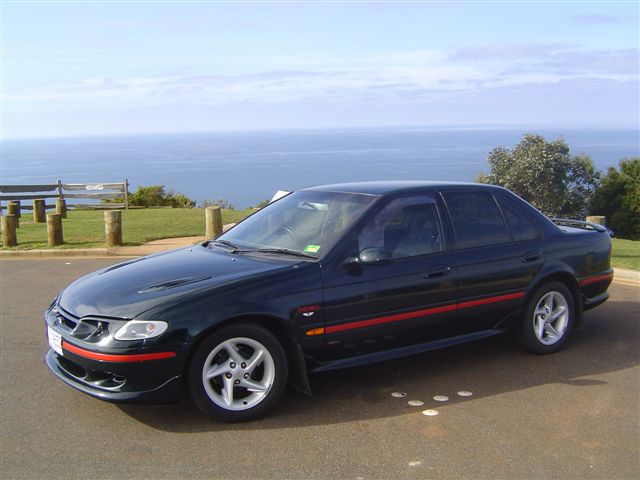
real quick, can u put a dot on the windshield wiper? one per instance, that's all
(284, 251)
(226, 243)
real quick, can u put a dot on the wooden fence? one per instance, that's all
(77, 191)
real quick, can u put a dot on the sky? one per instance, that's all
(113, 67)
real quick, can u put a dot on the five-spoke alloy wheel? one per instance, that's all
(238, 373)
(548, 318)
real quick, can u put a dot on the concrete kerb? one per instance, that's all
(628, 276)
(133, 251)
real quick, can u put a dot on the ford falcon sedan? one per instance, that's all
(325, 278)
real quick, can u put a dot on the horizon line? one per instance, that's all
(328, 128)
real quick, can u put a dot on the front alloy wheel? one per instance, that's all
(238, 373)
(548, 318)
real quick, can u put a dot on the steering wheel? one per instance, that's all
(287, 231)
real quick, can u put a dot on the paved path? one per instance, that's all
(569, 415)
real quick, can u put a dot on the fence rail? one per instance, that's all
(90, 191)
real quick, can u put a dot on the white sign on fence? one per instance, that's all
(95, 187)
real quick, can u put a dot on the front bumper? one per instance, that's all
(112, 388)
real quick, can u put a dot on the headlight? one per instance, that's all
(140, 330)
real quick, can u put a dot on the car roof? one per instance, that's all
(387, 187)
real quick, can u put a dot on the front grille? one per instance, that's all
(87, 329)
(65, 320)
(105, 380)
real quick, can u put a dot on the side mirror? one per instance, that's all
(375, 256)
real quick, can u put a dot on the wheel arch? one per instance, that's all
(569, 280)
(298, 377)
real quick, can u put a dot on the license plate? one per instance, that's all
(55, 340)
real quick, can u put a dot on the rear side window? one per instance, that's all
(522, 228)
(476, 218)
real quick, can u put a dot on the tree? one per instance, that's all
(546, 175)
(618, 198)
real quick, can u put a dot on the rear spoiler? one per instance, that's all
(568, 222)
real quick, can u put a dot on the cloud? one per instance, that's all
(402, 77)
(552, 58)
(597, 19)
(618, 61)
(502, 52)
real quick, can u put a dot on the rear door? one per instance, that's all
(373, 307)
(498, 251)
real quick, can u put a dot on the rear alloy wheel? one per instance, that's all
(238, 373)
(548, 319)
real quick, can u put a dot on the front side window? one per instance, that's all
(405, 227)
(304, 222)
(476, 219)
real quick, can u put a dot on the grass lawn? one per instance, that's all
(626, 254)
(85, 228)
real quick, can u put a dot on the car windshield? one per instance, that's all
(303, 222)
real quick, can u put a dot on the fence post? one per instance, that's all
(113, 227)
(599, 219)
(61, 207)
(54, 229)
(9, 238)
(38, 211)
(18, 205)
(213, 221)
(126, 194)
(13, 208)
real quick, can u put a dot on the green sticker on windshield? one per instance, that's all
(312, 249)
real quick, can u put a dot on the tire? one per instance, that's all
(237, 373)
(549, 318)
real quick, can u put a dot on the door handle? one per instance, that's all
(530, 257)
(439, 271)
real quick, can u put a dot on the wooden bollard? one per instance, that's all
(38, 211)
(61, 207)
(54, 229)
(17, 207)
(9, 238)
(13, 208)
(113, 228)
(599, 219)
(213, 221)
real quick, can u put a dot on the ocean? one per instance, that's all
(245, 168)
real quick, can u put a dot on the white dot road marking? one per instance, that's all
(415, 403)
(441, 398)
(398, 394)
(465, 393)
(430, 413)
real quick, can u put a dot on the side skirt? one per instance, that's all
(404, 351)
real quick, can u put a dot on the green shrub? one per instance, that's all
(618, 198)
(221, 202)
(155, 196)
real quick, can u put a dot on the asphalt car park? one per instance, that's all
(573, 414)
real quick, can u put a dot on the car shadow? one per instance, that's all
(603, 343)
